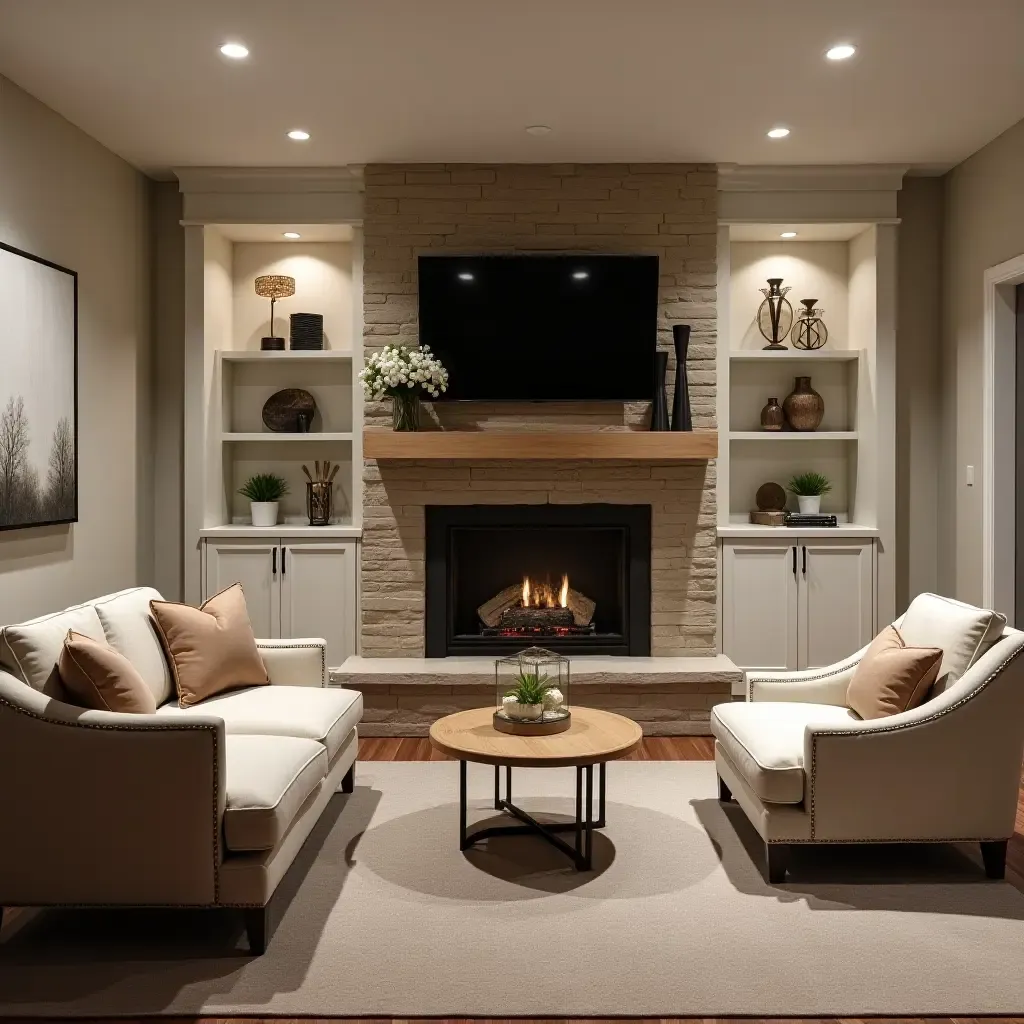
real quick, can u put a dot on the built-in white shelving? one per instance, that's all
(824, 355)
(286, 356)
(312, 436)
(793, 435)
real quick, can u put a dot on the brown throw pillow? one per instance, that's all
(101, 678)
(892, 677)
(211, 648)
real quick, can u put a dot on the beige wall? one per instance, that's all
(984, 226)
(667, 210)
(918, 387)
(67, 199)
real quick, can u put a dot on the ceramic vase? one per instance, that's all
(682, 418)
(405, 410)
(803, 406)
(772, 416)
(810, 504)
(264, 513)
(659, 403)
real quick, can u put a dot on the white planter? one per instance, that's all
(809, 503)
(521, 712)
(264, 513)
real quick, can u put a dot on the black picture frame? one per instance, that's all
(52, 509)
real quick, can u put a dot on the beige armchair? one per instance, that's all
(806, 769)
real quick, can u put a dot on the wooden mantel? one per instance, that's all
(632, 445)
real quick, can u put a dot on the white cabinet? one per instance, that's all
(293, 588)
(759, 604)
(796, 602)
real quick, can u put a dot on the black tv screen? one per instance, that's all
(541, 327)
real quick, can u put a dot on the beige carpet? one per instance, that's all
(386, 917)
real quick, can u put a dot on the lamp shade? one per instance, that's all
(275, 286)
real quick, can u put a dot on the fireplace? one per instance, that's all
(573, 578)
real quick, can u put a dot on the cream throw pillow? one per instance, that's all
(892, 677)
(211, 648)
(100, 678)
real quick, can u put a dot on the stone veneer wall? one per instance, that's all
(665, 209)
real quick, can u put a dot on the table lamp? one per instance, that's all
(274, 287)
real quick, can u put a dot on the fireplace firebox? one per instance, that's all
(573, 578)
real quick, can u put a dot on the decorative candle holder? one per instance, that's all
(809, 331)
(775, 314)
(319, 503)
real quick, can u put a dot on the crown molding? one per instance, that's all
(270, 180)
(811, 177)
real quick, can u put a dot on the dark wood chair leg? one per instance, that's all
(348, 783)
(994, 856)
(724, 792)
(256, 920)
(776, 859)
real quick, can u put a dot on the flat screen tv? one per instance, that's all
(542, 328)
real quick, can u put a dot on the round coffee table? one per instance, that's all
(594, 738)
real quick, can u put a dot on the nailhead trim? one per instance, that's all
(835, 670)
(322, 648)
(176, 727)
(899, 727)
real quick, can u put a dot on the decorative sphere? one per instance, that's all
(553, 699)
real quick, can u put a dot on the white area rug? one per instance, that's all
(385, 916)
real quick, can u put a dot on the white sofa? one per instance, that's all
(205, 806)
(806, 769)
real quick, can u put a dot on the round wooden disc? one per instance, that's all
(556, 725)
(771, 497)
(282, 409)
(593, 736)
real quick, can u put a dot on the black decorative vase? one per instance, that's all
(659, 405)
(681, 416)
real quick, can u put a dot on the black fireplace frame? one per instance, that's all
(442, 520)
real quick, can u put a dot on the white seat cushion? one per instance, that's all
(962, 631)
(268, 779)
(130, 630)
(309, 712)
(30, 650)
(765, 742)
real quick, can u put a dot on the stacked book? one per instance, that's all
(806, 519)
(307, 331)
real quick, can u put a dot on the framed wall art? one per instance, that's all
(38, 391)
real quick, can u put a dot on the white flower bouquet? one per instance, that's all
(406, 375)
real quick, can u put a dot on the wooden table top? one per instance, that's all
(593, 736)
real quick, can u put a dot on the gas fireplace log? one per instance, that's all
(535, 618)
(490, 611)
(581, 606)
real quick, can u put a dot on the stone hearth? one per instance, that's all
(667, 696)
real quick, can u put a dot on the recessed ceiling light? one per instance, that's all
(778, 133)
(292, 234)
(236, 51)
(538, 129)
(841, 51)
(788, 234)
(465, 276)
(298, 135)
(580, 275)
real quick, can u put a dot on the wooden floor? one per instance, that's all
(655, 748)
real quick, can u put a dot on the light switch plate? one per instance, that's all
(970, 476)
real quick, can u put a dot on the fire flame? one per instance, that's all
(543, 595)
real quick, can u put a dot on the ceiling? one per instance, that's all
(460, 80)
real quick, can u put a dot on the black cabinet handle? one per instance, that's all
(284, 564)
(273, 560)
(805, 559)
(794, 561)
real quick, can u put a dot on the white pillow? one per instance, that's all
(131, 631)
(962, 631)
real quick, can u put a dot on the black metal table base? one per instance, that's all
(580, 852)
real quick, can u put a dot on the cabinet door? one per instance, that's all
(318, 594)
(256, 565)
(759, 604)
(836, 599)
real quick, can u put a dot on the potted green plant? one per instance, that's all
(525, 701)
(808, 488)
(264, 491)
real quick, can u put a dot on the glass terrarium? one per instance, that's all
(532, 692)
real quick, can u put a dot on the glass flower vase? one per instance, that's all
(405, 410)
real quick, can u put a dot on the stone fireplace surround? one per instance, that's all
(667, 210)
